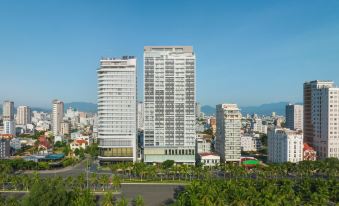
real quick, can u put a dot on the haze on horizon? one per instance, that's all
(248, 52)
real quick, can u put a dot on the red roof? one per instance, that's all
(307, 147)
(204, 154)
(6, 136)
(44, 142)
(81, 141)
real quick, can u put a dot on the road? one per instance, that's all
(153, 194)
(64, 172)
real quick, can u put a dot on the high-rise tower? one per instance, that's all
(169, 106)
(117, 109)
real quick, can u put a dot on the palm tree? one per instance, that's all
(116, 181)
(122, 202)
(26, 182)
(93, 181)
(81, 180)
(108, 199)
(104, 181)
(139, 201)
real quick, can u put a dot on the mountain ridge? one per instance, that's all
(264, 109)
(80, 106)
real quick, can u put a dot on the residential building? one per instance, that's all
(140, 116)
(57, 116)
(65, 128)
(209, 159)
(213, 125)
(250, 142)
(78, 144)
(8, 111)
(44, 145)
(309, 153)
(117, 109)
(228, 135)
(321, 117)
(258, 126)
(5, 148)
(285, 145)
(24, 115)
(169, 106)
(294, 117)
(9, 127)
(203, 145)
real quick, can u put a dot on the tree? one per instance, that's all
(122, 202)
(93, 181)
(108, 199)
(139, 201)
(84, 198)
(93, 150)
(47, 193)
(77, 151)
(67, 150)
(104, 181)
(116, 181)
(168, 164)
(82, 153)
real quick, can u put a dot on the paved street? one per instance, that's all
(153, 194)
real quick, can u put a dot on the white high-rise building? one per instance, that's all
(9, 127)
(228, 134)
(285, 145)
(140, 116)
(294, 117)
(117, 109)
(57, 116)
(321, 117)
(169, 91)
(24, 115)
(8, 111)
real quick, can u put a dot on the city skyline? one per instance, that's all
(195, 102)
(279, 46)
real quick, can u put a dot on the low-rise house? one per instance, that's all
(209, 159)
(78, 144)
(27, 141)
(44, 145)
(75, 135)
(58, 138)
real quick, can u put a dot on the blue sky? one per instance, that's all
(248, 52)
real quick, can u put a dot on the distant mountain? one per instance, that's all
(208, 110)
(82, 106)
(265, 109)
